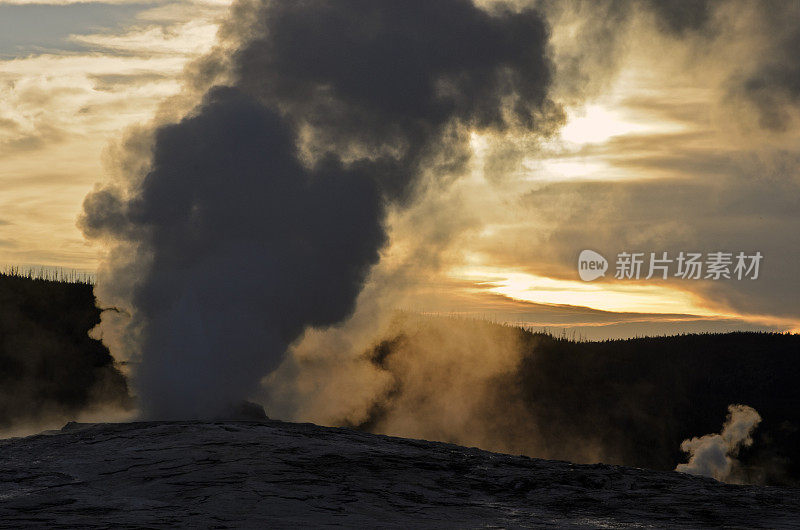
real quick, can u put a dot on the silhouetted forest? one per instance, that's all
(632, 402)
(50, 369)
(629, 402)
(646, 395)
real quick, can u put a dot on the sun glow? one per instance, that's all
(594, 124)
(604, 296)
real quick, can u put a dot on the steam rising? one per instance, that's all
(714, 455)
(292, 208)
(261, 212)
(227, 197)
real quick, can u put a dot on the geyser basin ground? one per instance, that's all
(279, 474)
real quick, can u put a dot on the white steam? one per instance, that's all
(714, 455)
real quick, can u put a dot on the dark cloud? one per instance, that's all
(681, 16)
(247, 248)
(103, 213)
(382, 76)
(236, 239)
(774, 85)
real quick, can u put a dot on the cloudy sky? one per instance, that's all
(73, 76)
(671, 129)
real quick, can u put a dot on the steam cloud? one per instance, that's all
(248, 246)
(262, 211)
(714, 455)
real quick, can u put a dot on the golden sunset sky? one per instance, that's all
(657, 153)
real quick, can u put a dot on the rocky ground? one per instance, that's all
(274, 474)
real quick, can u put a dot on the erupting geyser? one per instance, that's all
(262, 211)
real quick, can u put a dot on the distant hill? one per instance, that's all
(502, 388)
(644, 396)
(629, 402)
(50, 369)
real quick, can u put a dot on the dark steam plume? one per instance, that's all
(262, 211)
